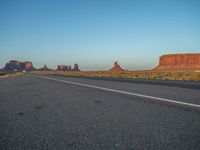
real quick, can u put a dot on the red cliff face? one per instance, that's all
(28, 65)
(15, 65)
(179, 62)
(116, 67)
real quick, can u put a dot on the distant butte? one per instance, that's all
(116, 67)
(68, 68)
(179, 62)
(15, 65)
(45, 68)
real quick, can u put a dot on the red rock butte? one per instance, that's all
(68, 68)
(45, 68)
(179, 62)
(116, 68)
(19, 66)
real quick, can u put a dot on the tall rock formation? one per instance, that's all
(179, 62)
(68, 68)
(76, 67)
(15, 65)
(116, 67)
(63, 68)
(28, 66)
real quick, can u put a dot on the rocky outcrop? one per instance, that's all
(63, 68)
(116, 68)
(15, 65)
(28, 66)
(76, 67)
(68, 68)
(179, 62)
(45, 68)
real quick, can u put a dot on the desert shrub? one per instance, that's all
(193, 76)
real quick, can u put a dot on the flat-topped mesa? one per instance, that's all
(63, 68)
(68, 68)
(179, 62)
(15, 65)
(76, 67)
(28, 66)
(116, 68)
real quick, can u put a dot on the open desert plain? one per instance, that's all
(99, 75)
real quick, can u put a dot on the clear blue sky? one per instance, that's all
(95, 33)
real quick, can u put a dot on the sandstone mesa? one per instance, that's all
(15, 65)
(68, 68)
(179, 62)
(170, 62)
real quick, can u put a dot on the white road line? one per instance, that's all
(124, 92)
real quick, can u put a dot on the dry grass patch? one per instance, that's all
(188, 75)
(10, 74)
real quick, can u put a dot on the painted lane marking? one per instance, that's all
(124, 92)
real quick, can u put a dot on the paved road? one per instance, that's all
(37, 113)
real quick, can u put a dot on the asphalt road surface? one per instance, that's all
(55, 112)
